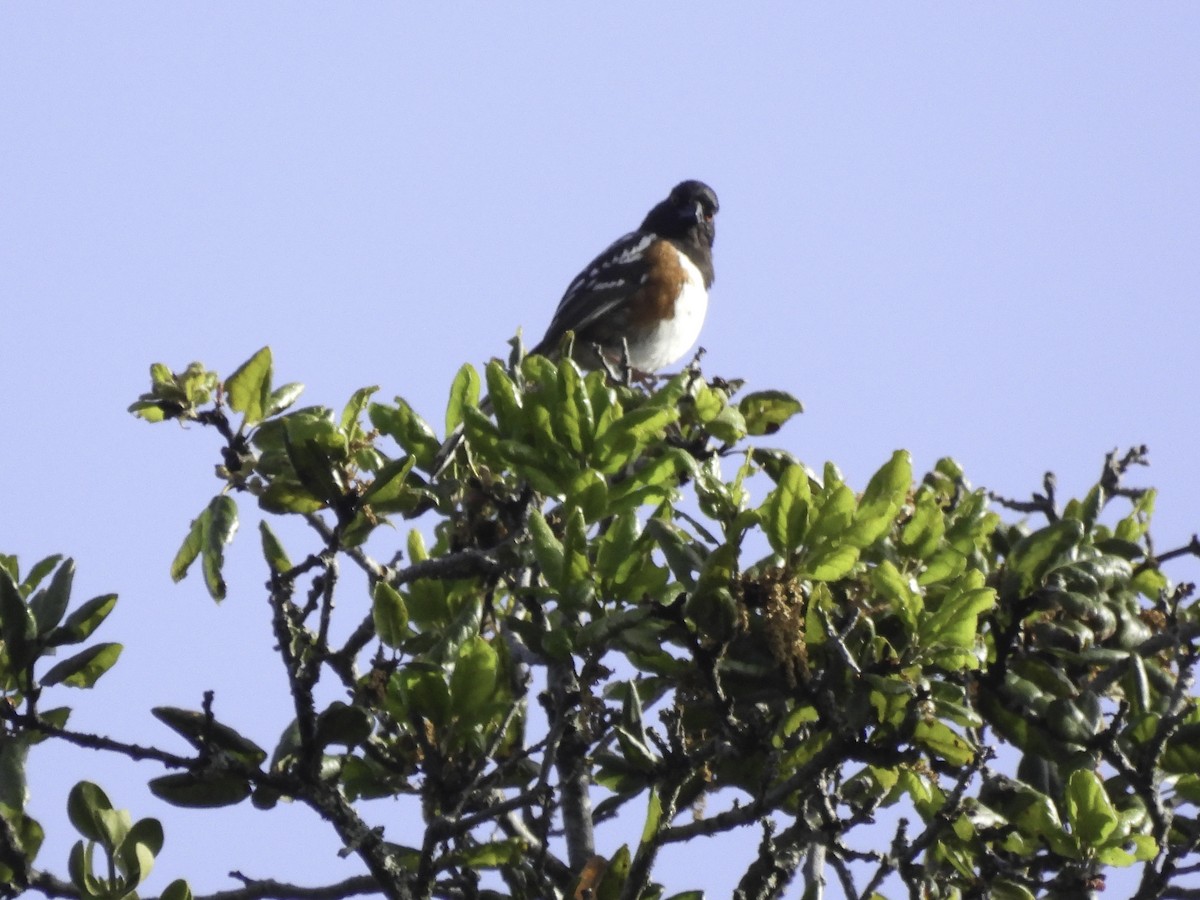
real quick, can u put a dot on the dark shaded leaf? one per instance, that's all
(80, 624)
(18, 627)
(200, 790)
(203, 734)
(49, 606)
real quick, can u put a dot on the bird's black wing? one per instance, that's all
(603, 286)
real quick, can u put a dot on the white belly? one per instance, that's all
(669, 341)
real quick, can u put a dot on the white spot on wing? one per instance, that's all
(634, 253)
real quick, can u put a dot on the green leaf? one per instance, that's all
(83, 669)
(10, 565)
(547, 549)
(589, 493)
(284, 495)
(152, 410)
(473, 682)
(79, 867)
(785, 512)
(614, 554)
(390, 491)
(766, 412)
(161, 377)
(923, 532)
(577, 585)
(354, 409)
(621, 441)
(312, 449)
(49, 606)
(1089, 811)
(653, 817)
(272, 549)
(18, 627)
(464, 391)
(631, 732)
(204, 733)
(209, 532)
(1037, 554)
(197, 384)
(389, 614)
(343, 724)
(135, 855)
(572, 412)
(220, 526)
(465, 625)
(835, 512)
(406, 428)
(939, 739)
(727, 426)
(81, 624)
(493, 854)
(177, 890)
(885, 494)
(40, 570)
(829, 562)
(88, 808)
(898, 590)
(955, 622)
(504, 399)
(14, 789)
(200, 790)
(684, 556)
(283, 398)
(1005, 890)
(190, 549)
(249, 388)
(425, 693)
(1134, 526)
(484, 438)
(616, 874)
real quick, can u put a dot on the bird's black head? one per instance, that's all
(690, 209)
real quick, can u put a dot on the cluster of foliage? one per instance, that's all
(813, 656)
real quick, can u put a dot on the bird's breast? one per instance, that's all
(667, 321)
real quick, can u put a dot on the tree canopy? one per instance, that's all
(620, 603)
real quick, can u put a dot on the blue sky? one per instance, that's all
(966, 230)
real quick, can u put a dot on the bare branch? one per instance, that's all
(831, 754)
(269, 889)
(1040, 503)
(94, 741)
(571, 763)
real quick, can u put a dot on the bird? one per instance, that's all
(642, 301)
(647, 293)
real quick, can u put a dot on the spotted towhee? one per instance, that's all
(647, 292)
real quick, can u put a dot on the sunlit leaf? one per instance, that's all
(765, 412)
(1089, 810)
(464, 391)
(249, 388)
(389, 614)
(84, 668)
